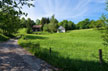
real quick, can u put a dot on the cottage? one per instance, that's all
(36, 28)
(61, 29)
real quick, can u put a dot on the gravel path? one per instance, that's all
(15, 58)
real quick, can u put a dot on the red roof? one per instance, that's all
(37, 26)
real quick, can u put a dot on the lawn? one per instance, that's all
(71, 51)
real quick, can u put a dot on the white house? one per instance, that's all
(61, 29)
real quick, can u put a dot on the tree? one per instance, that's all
(45, 28)
(9, 23)
(50, 25)
(44, 21)
(23, 22)
(80, 25)
(64, 23)
(92, 24)
(4, 4)
(99, 24)
(37, 22)
(68, 25)
(53, 20)
(83, 24)
(29, 26)
(10, 12)
(53, 25)
(104, 18)
(71, 25)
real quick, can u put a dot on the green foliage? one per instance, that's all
(52, 27)
(23, 23)
(105, 36)
(83, 24)
(45, 28)
(37, 22)
(10, 12)
(44, 21)
(65, 24)
(53, 20)
(10, 25)
(29, 26)
(68, 25)
(15, 4)
(73, 51)
(22, 31)
(92, 24)
(3, 38)
(71, 25)
(104, 19)
(86, 24)
(99, 24)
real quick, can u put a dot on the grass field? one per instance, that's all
(72, 51)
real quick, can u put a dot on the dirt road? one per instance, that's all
(15, 58)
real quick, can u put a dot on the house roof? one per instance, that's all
(61, 28)
(37, 26)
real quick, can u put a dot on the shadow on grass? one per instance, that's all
(34, 37)
(67, 64)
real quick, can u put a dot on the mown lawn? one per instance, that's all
(72, 51)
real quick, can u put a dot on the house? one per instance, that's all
(36, 28)
(61, 29)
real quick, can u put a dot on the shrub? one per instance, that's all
(3, 37)
(45, 28)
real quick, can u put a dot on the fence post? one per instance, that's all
(50, 51)
(100, 56)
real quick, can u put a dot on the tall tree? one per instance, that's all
(23, 22)
(53, 19)
(29, 26)
(10, 12)
(105, 19)
(53, 25)
(44, 21)
(37, 22)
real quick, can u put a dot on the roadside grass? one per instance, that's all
(72, 51)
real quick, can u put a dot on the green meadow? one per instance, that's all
(75, 50)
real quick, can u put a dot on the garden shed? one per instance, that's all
(61, 29)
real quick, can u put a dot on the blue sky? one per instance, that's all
(74, 10)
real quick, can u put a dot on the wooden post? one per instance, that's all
(100, 56)
(50, 51)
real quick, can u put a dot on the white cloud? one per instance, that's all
(63, 9)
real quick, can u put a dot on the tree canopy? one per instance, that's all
(10, 12)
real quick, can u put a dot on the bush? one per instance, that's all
(45, 28)
(3, 37)
(52, 27)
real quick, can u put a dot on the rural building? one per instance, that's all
(36, 28)
(61, 29)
